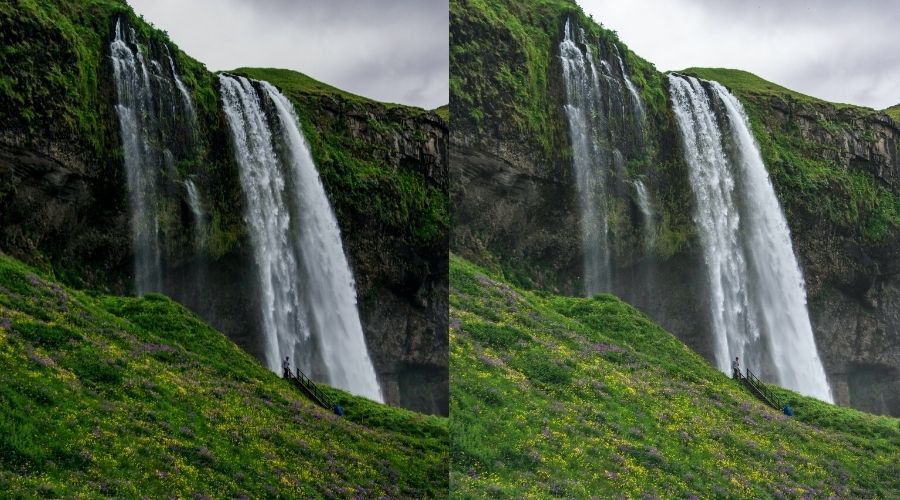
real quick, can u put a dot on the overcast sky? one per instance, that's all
(838, 50)
(389, 50)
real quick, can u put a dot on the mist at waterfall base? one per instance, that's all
(756, 290)
(308, 299)
(308, 295)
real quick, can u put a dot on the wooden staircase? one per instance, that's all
(309, 388)
(761, 391)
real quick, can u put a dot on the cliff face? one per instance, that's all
(63, 197)
(515, 209)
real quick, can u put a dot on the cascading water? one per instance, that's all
(308, 297)
(598, 117)
(757, 295)
(647, 212)
(197, 211)
(586, 125)
(151, 121)
(185, 95)
(635, 98)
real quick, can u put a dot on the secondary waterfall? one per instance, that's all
(197, 211)
(308, 296)
(647, 213)
(151, 120)
(601, 127)
(757, 294)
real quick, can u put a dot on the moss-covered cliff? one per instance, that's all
(515, 209)
(64, 201)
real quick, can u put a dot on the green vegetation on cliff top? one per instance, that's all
(576, 397)
(894, 112)
(747, 83)
(52, 57)
(127, 397)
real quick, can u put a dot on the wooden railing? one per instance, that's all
(760, 390)
(310, 388)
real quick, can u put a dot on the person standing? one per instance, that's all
(736, 369)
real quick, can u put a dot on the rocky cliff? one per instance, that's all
(63, 200)
(514, 201)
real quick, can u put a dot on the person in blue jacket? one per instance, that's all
(788, 410)
(339, 410)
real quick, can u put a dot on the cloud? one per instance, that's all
(389, 50)
(832, 49)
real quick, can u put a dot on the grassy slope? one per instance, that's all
(894, 112)
(578, 397)
(356, 178)
(748, 83)
(132, 397)
(805, 172)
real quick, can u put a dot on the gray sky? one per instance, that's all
(838, 50)
(389, 50)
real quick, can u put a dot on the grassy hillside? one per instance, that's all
(130, 397)
(747, 83)
(894, 112)
(576, 397)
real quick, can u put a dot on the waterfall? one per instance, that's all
(185, 95)
(635, 98)
(138, 125)
(199, 217)
(756, 289)
(643, 199)
(599, 120)
(308, 297)
(586, 126)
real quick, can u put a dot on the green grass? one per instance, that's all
(295, 82)
(576, 397)
(128, 397)
(745, 82)
(894, 112)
